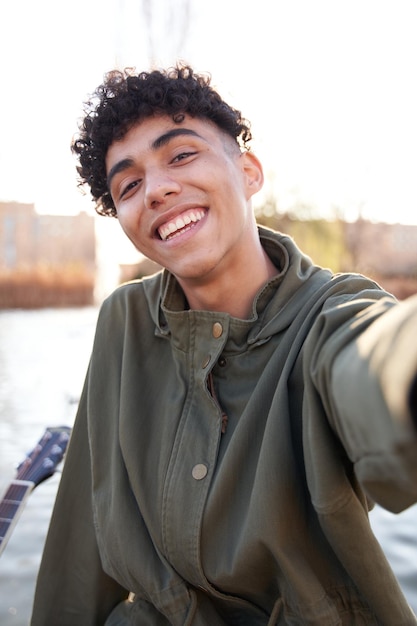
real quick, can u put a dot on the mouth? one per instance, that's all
(180, 224)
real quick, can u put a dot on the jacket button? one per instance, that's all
(206, 362)
(199, 471)
(217, 330)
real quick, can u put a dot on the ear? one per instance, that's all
(253, 173)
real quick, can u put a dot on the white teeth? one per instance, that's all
(179, 223)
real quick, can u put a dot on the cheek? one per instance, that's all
(128, 216)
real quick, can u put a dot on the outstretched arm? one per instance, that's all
(365, 372)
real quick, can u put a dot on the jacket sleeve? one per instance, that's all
(366, 375)
(72, 587)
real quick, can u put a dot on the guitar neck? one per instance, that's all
(39, 465)
(11, 506)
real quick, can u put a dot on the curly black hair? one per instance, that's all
(126, 98)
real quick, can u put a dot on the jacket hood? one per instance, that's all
(296, 274)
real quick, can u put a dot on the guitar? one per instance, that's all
(39, 465)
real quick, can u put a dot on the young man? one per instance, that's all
(242, 408)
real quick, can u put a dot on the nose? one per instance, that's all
(158, 185)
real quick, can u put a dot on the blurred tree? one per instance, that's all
(322, 239)
(167, 26)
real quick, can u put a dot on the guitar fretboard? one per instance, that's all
(11, 507)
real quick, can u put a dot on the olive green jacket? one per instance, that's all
(265, 523)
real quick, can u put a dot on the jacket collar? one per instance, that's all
(273, 307)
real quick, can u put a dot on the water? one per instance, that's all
(43, 360)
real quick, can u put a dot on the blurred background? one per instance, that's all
(329, 87)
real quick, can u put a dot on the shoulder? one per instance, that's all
(135, 299)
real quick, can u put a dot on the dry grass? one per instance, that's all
(46, 286)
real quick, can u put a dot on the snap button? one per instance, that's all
(206, 362)
(199, 471)
(217, 330)
(222, 361)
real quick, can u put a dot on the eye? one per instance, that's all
(128, 188)
(182, 156)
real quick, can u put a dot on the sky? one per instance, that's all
(328, 85)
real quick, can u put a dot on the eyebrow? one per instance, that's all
(118, 167)
(159, 142)
(171, 134)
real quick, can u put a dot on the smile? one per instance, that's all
(180, 224)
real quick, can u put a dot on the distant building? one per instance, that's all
(389, 249)
(28, 239)
(46, 260)
(386, 252)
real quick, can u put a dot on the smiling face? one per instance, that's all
(182, 194)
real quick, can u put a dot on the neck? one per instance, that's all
(232, 293)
